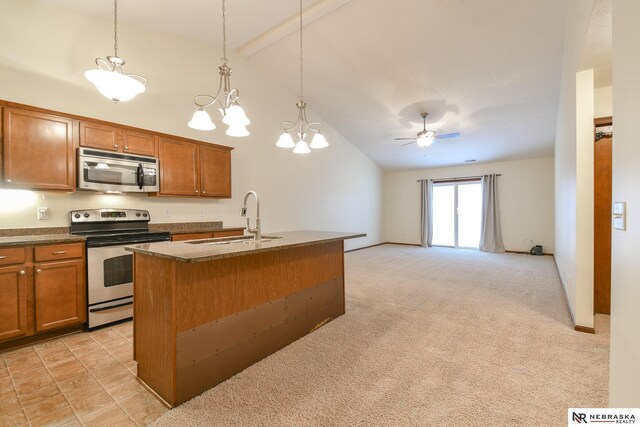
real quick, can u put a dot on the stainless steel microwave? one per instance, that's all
(100, 170)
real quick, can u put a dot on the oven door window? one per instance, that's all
(118, 270)
(109, 173)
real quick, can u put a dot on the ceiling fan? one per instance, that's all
(425, 137)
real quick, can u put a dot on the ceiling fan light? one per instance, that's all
(424, 141)
(201, 121)
(319, 141)
(301, 147)
(115, 85)
(285, 141)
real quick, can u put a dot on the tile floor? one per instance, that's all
(86, 379)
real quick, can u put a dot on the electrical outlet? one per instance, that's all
(167, 212)
(43, 214)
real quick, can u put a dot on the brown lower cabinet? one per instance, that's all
(42, 289)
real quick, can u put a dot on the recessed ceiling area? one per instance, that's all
(489, 70)
(597, 52)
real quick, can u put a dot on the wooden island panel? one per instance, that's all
(198, 324)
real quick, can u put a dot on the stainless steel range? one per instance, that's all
(109, 266)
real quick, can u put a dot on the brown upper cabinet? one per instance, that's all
(38, 150)
(194, 169)
(113, 138)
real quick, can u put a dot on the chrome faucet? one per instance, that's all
(257, 232)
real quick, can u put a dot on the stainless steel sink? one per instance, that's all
(233, 240)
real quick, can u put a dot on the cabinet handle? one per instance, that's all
(22, 273)
(115, 146)
(3, 256)
(126, 148)
(204, 192)
(8, 180)
(38, 271)
(58, 252)
(197, 191)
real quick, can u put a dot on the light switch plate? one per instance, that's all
(620, 216)
(43, 213)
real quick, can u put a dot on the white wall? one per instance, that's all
(570, 158)
(525, 192)
(603, 101)
(42, 61)
(624, 382)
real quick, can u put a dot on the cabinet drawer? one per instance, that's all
(13, 256)
(56, 252)
(190, 236)
(228, 233)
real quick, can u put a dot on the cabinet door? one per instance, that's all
(140, 143)
(178, 168)
(38, 151)
(96, 135)
(228, 233)
(215, 172)
(13, 302)
(59, 294)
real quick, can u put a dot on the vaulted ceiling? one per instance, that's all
(488, 69)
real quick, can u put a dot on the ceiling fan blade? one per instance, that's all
(408, 143)
(400, 139)
(448, 135)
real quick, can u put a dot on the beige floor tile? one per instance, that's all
(39, 395)
(104, 335)
(5, 385)
(79, 388)
(19, 352)
(56, 418)
(109, 369)
(115, 379)
(148, 414)
(48, 347)
(108, 412)
(9, 402)
(45, 407)
(26, 362)
(57, 357)
(67, 370)
(77, 339)
(126, 388)
(4, 372)
(17, 418)
(137, 400)
(96, 359)
(28, 374)
(91, 404)
(28, 384)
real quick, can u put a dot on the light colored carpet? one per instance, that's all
(431, 337)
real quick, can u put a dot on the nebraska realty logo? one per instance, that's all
(582, 416)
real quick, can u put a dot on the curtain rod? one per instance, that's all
(458, 178)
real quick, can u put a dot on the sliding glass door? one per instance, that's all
(457, 214)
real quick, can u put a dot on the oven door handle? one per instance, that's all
(140, 176)
(123, 304)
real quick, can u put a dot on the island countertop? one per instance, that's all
(203, 250)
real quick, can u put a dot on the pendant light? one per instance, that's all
(301, 128)
(109, 78)
(226, 99)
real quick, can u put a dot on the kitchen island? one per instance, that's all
(205, 310)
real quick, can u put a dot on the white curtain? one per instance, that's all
(491, 232)
(426, 212)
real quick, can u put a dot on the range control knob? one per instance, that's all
(145, 214)
(76, 216)
(86, 215)
(137, 213)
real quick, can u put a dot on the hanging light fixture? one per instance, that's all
(109, 78)
(301, 128)
(226, 99)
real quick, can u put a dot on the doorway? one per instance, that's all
(602, 205)
(457, 213)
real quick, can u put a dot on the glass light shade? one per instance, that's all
(424, 141)
(319, 141)
(301, 147)
(235, 115)
(115, 85)
(237, 130)
(285, 141)
(201, 121)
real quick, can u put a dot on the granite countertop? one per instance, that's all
(199, 252)
(40, 239)
(191, 227)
